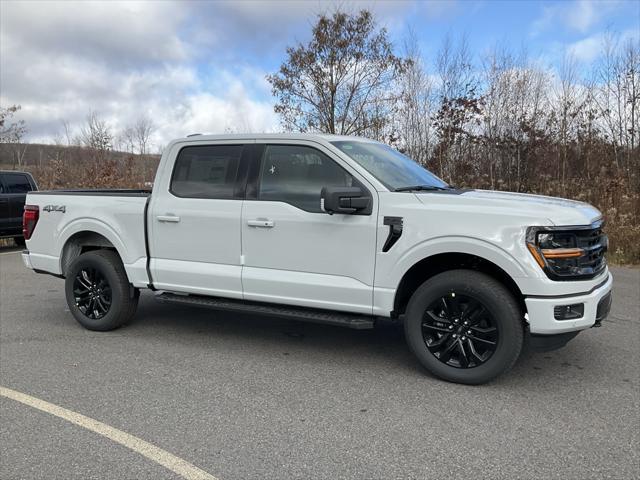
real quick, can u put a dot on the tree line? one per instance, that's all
(95, 134)
(502, 114)
(499, 120)
(90, 155)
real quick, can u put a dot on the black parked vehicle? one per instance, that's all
(13, 192)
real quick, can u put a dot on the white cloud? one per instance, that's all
(587, 49)
(582, 15)
(173, 97)
(116, 33)
(182, 63)
(122, 60)
(577, 15)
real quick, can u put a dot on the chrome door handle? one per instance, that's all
(261, 222)
(168, 218)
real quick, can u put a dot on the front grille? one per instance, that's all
(594, 243)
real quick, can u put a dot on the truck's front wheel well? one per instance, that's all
(80, 243)
(430, 266)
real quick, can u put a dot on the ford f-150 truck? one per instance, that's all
(337, 230)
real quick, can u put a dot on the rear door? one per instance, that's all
(16, 186)
(294, 252)
(194, 221)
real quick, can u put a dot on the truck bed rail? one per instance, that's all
(113, 192)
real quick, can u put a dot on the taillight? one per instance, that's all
(29, 219)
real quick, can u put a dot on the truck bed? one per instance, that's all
(118, 215)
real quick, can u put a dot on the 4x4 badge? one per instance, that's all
(55, 208)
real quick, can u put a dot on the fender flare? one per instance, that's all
(86, 224)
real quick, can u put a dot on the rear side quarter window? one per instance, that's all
(207, 171)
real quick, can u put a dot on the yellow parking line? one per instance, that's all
(156, 454)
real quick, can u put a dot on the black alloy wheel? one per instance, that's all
(92, 293)
(99, 294)
(464, 326)
(459, 331)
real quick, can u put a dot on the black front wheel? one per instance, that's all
(464, 326)
(98, 292)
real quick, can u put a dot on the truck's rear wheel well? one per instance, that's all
(80, 243)
(430, 266)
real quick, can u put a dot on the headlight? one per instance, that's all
(545, 246)
(566, 253)
(548, 240)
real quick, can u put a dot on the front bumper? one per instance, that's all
(540, 310)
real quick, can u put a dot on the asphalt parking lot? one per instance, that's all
(244, 397)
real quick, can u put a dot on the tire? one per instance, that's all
(19, 241)
(472, 353)
(110, 302)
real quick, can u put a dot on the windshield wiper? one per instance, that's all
(420, 187)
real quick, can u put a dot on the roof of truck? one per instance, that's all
(274, 136)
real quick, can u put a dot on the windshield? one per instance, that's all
(394, 170)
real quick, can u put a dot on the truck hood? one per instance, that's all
(558, 211)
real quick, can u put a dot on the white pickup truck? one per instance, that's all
(337, 230)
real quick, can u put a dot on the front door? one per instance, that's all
(195, 223)
(295, 253)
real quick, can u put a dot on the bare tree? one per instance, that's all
(342, 81)
(459, 106)
(512, 102)
(630, 69)
(11, 134)
(96, 133)
(127, 139)
(67, 132)
(142, 131)
(569, 102)
(416, 104)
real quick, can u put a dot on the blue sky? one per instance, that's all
(199, 66)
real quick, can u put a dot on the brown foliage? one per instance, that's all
(605, 186)
(58, 167)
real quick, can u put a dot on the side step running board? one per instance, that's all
(328, 317)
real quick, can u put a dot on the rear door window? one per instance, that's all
(16, 183)
(207, 171)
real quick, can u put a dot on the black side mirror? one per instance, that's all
(346, 200)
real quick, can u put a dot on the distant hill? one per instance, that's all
(16, 156)
(60, 166)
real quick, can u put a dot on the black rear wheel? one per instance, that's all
(98, 292)
(92, 293)
(464, 326)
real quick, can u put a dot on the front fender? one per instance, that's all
(458, 244)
